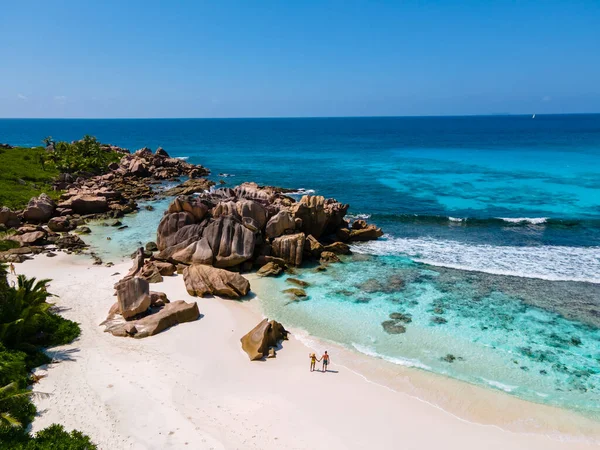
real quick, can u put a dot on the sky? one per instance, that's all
(186, 58)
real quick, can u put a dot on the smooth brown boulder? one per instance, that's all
(133, 296)
(264, 336)
(191, 186)
(60, 224)
(371, 232)
(201, 280)
(171, 314)
(319, 216)
(231, 242)
(30, 238)
(151, 272)
(198, 252)
(39, 209)
(193, 205)
(289, 248)
(313, 247)
(252, 213)
(87, 204)
(158, 299)
(279, 224)
(329, 257)
(339, 248)
(9, 218)
(168, 227)
(270, 269)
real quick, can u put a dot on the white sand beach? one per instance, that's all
(192, 386)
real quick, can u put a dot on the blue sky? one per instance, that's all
(297, 58)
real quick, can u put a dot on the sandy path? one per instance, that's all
(193, 387)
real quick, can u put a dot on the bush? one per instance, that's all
(52, 438)
(85, 155)
(27, 324)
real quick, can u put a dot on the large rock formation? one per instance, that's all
(169, 226)
(133, 296)
(279, 224)
(39, 209)
(171, 314)
(231, 242)
(290, 248)
(198, 252)
(201, 280)
(319, 216)
(266, 335)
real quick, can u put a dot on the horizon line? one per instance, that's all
(305, 117)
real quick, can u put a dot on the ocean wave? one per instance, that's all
(406, 362)
(532, 220)
(498, 385)
(489, 221)
(545, 262)
(358, 216)
(301, 191)
(183, 158)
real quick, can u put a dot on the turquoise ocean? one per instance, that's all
(492, 246)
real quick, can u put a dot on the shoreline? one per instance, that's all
(234, 391)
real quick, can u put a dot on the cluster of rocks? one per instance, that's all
(140, 312)
(113, 194)
(214, 236)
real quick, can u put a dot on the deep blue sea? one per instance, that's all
(492, 245)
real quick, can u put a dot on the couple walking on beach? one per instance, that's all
(314, 360)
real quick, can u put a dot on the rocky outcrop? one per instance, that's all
(201, 280)
(290, 248)
(231, 242)
(281, 223)
(198, 252)
(164, 316)
(39, 209)
(265, 336)
(86, 204)
(313, 247)
(133, 296)
(360, 231)
(270, 269)
(339, 248)
(319, 216)
(192, 205)
(191, 186)
(35, 237)
(168, 227)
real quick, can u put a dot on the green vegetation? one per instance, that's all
(27, 325)
(85, 155)
(24, 174)
(27, 172)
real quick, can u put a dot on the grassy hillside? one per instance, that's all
(22, 176)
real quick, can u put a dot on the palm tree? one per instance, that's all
(24, 305)
(10, 392)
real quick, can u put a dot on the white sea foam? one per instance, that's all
(455, 219)
(302, 191)
(498, 385)
(532, 220)
(406, 362)
(358, 216)
(545, 262)
(183, 158)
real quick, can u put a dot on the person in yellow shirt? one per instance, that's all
(313, 361)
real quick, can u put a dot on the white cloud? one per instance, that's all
(60, 99)
(22, 97)
(546, 98)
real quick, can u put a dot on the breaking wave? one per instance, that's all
(546, 262)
